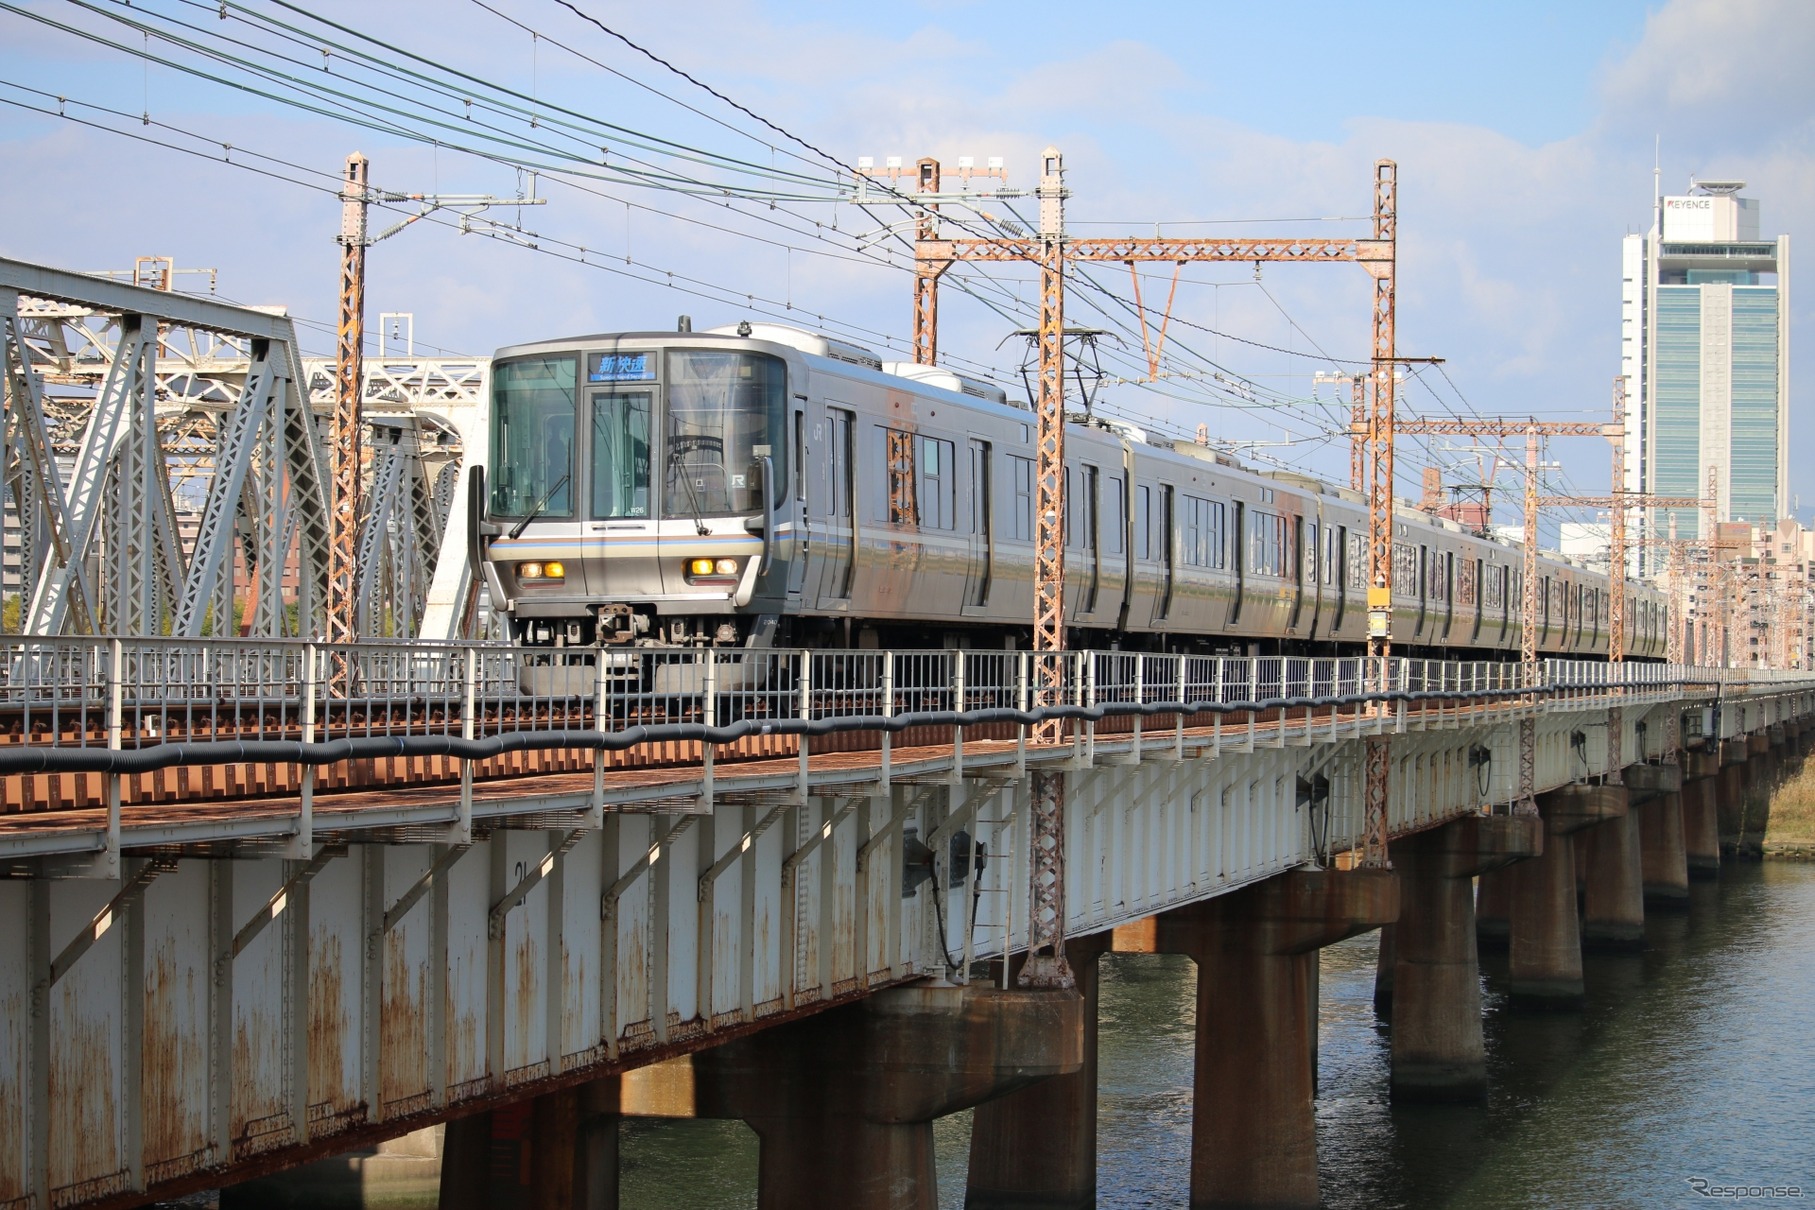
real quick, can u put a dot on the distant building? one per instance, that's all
(1704, 332)
(1589, 542)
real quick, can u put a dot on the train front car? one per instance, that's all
(631, 496)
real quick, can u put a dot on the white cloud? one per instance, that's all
(1718, 74)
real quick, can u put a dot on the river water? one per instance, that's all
(1694, 1059)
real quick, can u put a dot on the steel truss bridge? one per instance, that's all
(166, 469)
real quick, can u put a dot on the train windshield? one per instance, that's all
(724, 415)
(532, 437)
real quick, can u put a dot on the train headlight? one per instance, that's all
(551, 570)
(712, 569)
(554, 570)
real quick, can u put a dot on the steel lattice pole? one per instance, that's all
(1380, 508)
(348, 418)
(1046, 965)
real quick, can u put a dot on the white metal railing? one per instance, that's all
(71, 691)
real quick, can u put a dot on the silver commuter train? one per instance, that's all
(765, 485)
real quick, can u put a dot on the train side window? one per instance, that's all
(838, 464)
(1193, 542)
(1219, 529)
(1311, 552)
(1022, 470)
(1405, 570)
(894, 453)
(936, 487)
(1358, 562)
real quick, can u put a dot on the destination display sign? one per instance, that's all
(619, 367)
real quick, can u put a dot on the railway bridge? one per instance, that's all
(272, 899)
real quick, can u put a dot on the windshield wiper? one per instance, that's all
(699, 514)
(540, 504)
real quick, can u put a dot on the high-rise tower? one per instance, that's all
(1704, 330)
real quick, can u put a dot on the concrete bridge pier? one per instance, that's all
(1612, 855)
(558, 1151)
(1730, 794)
(1664, 859)
(1254, 1129)
(843, 1102)
(1701, 828)
(1435, 985)
(1762, 774)
(1037, 1147)
(1493, 909)
(1546, 943)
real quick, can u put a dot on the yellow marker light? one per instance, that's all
(554, 571)
(700, 567)
(726, 567)
(529, 571)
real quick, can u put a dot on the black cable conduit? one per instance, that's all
(149, 759)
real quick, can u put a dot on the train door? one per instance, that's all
(1446, 575)
(1167, 540)
(796, 516)
(1336, 571)
(1296, 570)
(1479, 601)
(981, 563)
(621, 520)
(835, 552)
(1239, 562)
(1424, 589)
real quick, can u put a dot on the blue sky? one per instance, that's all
(1523, 134)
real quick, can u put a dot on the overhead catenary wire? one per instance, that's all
(1258, 396)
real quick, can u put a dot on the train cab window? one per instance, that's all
(620, 454)
(1022, 472)
(532, 435)
(724, 416)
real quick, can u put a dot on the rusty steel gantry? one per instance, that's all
(348, 444)
(1618, 501)
(1051, 249)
